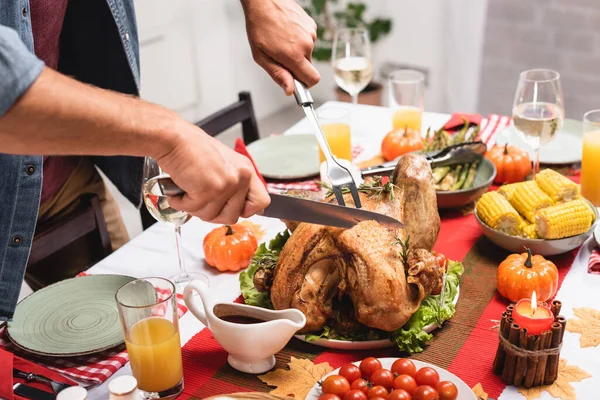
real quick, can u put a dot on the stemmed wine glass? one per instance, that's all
(538, 109)
(351, 60)
(158, 205)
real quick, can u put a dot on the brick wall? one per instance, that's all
(563, 35)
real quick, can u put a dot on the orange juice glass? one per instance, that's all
(334, 122)
(590, 162)
(406, 92)
(148, 313)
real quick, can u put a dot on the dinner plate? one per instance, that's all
(597, 233)
(464, 391)
(565, 148)
(286, 156)
(73, 317)
(364, 344)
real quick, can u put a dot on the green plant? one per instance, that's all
(331, 14)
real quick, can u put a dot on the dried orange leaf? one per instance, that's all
(298, 380)
(561, 388)
(478, 391)
(588, 324)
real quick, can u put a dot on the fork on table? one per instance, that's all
(339, 175)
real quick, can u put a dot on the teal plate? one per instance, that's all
(286, 157)
(73, 317)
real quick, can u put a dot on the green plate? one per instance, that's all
(70, 318)
(286, 157)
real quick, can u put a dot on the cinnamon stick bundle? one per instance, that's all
(500, 352)
(533, 343)
(556, 307)
(521, 365)
(508, 373)
(540, 372)
(552, 363)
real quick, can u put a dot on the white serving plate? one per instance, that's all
(365, 344)
(464, 391)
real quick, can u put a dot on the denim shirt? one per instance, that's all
(99, 45)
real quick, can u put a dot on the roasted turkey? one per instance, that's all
(363, 269)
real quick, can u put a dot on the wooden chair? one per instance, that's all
(79, 238)
(242, 112)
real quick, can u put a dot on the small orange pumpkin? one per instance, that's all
(401, 141)
(230, 247)
(520, 274)
(512, 163)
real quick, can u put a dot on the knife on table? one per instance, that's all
(304, 210)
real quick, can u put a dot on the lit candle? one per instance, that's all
(536, 317)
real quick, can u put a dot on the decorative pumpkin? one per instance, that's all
(512, 163)
(401, 141)
(230, 247)
(520, 274)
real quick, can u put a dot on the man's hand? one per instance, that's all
(220, 184)
(282, 38)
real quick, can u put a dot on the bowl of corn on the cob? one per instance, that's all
(547, 215)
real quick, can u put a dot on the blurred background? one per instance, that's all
(195, 57)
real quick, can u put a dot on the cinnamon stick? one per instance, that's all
(540, 372)
(510, 308)
(556, 306)
(500, 352)
(563, 322)
(508, 373)
(521, 366)
(552, 363)
(533, 343)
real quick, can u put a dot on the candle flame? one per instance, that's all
(533, 303)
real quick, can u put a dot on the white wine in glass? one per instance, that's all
(158, 205)
(351, 60)
(538, 109)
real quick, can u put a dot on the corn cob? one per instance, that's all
(530, 231)
(496, 212)
(508, 190)
(558, 187)
(529, 199)
(564, 219)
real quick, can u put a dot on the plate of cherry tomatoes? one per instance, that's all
(390, 379)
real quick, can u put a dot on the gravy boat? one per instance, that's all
(251, 346)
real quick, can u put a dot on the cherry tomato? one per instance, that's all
(404, 366)
(427, 376)
(360, 384)
(425, 392)
(405, 382)
(350, 372)
(355, 395)
(336, 384)
(377, 398)
(399, 394)
(377, 391)
(368, 366)
(447, 390)
(442, 260)
(383, 377)
(329, 397)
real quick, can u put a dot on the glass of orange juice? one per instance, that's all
(336, 127)
(406, 90)
(148, 312)
(590, 162)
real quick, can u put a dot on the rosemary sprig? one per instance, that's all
(405, 252)
(374, 188)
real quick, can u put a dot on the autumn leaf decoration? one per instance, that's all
(479, 393)
(298, 380)
(561, 388)
(587, 324)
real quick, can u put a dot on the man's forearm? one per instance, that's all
(59, 116)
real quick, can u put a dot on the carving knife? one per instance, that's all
(304, 210)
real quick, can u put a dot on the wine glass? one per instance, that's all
(351, 60)
(158, 205)
(538, 109)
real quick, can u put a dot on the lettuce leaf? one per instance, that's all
(265, 256)
(411, 337)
